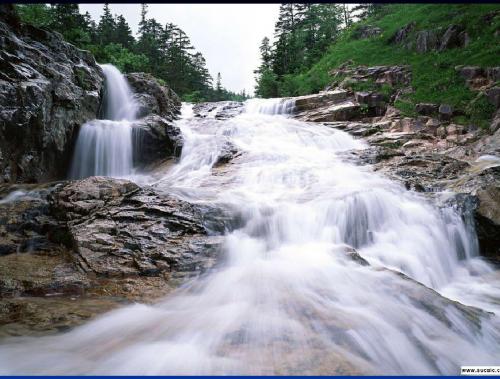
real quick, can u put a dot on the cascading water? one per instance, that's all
(104, 147)
(270, 106)
(292, 296)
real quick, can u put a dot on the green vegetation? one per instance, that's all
(434, 77)
(164, 51)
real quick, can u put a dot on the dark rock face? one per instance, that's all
(153, 97)
(454, 36)
(479, 78)
(470, 72)
(227, 154)
(25, 221)
(155, 138)
(423, 41)
(488, 212)
(493, 74)
(48, 88)
(403, 33)
(495, 123)
(34, 260)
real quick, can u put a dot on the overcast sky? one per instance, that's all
(228, 35)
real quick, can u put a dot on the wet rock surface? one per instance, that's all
(221, 110)
(154, 139)
(120, 229)
(100, 242)
(155, 135)
(153, 97)
(48, 88)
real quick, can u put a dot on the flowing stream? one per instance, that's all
(104, 146)
(292, 296)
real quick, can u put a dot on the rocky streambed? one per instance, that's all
(74, 249)
(250, 214)
(252, 192)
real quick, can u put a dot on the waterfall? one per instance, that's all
(289, 298)
(270, 106)
(104, 146)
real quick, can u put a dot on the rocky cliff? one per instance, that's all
(48, 88)
(155, 135)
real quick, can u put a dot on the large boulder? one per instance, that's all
(337, 111)
(482, 183)
(155, 135)
(48, 88)
(71, 250)
(119, 229)
(98, 238)
(154, 139)
(311, 102)
(154, 97)
(454, 36)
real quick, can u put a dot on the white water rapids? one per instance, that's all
(288, 299)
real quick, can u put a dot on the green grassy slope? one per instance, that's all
(434, 77)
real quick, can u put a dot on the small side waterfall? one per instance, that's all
(104, 147)
(270, 106)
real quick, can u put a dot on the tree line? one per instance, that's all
(303, 33)
(165, 51)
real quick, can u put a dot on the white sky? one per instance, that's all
(228, 35)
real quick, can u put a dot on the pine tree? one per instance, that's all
(266, 53)
(285, 50)
(142, 23)
(106, 27)
(67, 20)
(122, 33)
(265, 78)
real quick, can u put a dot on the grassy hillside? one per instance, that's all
(434, 77)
